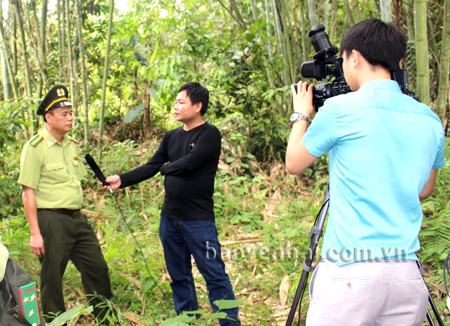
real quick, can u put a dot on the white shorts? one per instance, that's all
(367, 293)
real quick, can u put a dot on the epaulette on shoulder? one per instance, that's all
(74, 141)
(36, 140)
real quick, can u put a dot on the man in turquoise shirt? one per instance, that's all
(384, 151)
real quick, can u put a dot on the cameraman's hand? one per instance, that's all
(303, 100)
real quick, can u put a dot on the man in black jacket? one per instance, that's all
(188, 157)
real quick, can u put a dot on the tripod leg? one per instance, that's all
(431, 302)
(430, 319)
(316, 233)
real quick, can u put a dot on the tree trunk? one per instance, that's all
(27, 68)
(442, 99)
(105, 72)
(83, 73)
(386, 12)
(421, 41)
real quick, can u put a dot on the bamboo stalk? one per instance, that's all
(286, 36)
(280, 40)
(231, 14)
(238, 13)
(305, 46)
(83, 74)
(105, 72)
(60, 43)
(421, 41)
(269, 29)
(386, 12)
(63, 38)
(27, 67)
(5, 78)
(14, 44)
(411, 53)
(312, 13)
(71, 64)
(444, 89)
(6, 52)
(43, 30)
(349, 13)
(39, 57)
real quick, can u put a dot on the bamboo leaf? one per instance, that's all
(141, 58)
(134, 113)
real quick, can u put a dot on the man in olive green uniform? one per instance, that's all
(50, 172)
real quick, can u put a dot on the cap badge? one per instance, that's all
(60, 92)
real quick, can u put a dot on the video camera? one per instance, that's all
(325, 63)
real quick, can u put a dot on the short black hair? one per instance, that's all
(381, 44)
(49, 112)
(197, 94)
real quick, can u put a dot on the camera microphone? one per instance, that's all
(98, 173)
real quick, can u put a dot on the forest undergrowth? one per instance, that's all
(263, 216)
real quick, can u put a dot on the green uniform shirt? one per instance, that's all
(54, 171)
(3, 260)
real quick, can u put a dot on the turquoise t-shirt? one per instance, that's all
(382, 146)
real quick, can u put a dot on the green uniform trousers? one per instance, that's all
(71, 237)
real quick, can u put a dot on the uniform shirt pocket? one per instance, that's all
(76, 167)
(55, 172)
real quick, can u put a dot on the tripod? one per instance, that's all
(315, 234)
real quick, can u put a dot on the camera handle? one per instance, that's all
(315, 234)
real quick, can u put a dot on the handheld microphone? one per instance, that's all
(100, 176)
(98, 173)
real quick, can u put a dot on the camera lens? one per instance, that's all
(319, 39)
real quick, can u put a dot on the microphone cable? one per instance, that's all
(99, 174)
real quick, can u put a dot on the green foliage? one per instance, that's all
(70, 315)
(11, 140)
(435, 234)
(199, 318)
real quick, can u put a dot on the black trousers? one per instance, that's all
(71, 237)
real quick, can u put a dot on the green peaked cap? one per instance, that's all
(57, 97)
